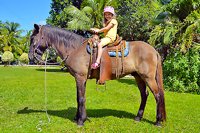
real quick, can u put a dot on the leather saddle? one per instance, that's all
(105, 70)
(116, 42)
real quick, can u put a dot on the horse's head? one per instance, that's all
(38, 44)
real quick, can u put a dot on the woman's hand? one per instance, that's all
(95, 30)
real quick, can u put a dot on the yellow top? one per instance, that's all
(112, 33)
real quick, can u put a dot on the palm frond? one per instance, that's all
(79, 19)
(75, 25)
(88, 11)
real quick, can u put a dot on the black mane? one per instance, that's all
(60, 36)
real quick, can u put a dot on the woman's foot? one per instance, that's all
(95, 65)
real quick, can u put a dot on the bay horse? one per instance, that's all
(143, 62)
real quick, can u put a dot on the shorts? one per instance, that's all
(105, 41)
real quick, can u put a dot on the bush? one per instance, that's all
(59, 60)
(24, 58)
(7, 57)
(182, 72)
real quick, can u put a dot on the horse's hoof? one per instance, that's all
(137, 118)
(158, 124)
(80, 123)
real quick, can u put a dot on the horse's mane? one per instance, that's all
(61, 36)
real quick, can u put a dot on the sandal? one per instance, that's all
(95, 65)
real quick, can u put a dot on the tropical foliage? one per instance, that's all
(12, 40)
(78, 17)
(57, 16)
(181, 71)
(134, 18)
(177, 25)
(177, 36)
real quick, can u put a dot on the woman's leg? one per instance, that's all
(104, 42)
(100, 50)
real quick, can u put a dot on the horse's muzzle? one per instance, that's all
(35, 56)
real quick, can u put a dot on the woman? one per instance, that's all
(110, 32)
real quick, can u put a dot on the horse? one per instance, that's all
(143, 63)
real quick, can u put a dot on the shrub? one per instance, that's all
(7, 57)
(24, 58)
(182, 72)
(59, 60)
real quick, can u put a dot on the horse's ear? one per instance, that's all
(36, 27)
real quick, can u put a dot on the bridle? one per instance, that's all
(47, 51)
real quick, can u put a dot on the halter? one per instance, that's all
(39, 43)
(47, 49)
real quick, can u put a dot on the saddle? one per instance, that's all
(105, 69)
(116, 42)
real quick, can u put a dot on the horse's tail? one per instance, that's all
(159, 80)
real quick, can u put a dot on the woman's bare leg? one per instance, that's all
(100, 50)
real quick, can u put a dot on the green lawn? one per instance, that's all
(22, 105)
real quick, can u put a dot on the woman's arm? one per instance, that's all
(104, 29)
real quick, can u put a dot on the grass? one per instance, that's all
(111, 110)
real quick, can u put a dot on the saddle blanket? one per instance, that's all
(113, 53)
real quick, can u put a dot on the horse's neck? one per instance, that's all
(66, 52)
(62, 51)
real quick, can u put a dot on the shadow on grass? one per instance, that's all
(130, 81)
(96, 113)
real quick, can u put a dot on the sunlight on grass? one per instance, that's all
(111, 110)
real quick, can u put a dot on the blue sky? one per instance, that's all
(25, 12)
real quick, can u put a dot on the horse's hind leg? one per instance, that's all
(144, 94)
(159, 100)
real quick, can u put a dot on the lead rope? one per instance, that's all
(41, 123)
(45, 88)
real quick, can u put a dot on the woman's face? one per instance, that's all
(108, 16)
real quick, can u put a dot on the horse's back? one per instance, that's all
(142, 49)
(142, 46)
(142, 56)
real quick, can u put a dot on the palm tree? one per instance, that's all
(13, 27)
(6, 39)
(10, 37)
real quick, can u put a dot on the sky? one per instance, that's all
(25, 12)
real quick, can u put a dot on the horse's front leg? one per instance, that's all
(81, 111)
